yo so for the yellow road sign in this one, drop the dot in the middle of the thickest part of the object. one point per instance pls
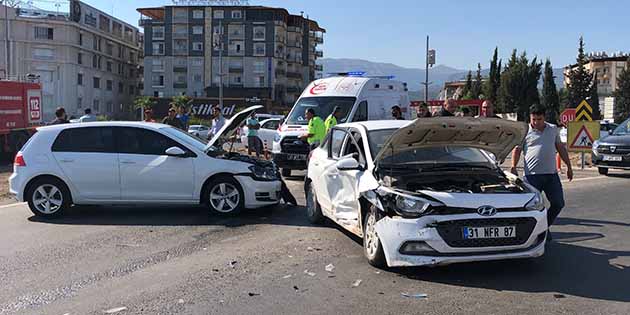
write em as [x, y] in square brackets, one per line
[584, 112]
[581, 135]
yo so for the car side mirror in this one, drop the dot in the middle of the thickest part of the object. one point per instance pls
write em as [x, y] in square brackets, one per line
[175, 151]
[348, 164]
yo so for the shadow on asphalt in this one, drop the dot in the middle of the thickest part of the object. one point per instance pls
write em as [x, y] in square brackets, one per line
[619, 175]
[587, 222]
[177, 216]
[566, 268]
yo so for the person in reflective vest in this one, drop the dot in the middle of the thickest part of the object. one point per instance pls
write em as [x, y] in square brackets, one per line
[331, 121]
[316, 129]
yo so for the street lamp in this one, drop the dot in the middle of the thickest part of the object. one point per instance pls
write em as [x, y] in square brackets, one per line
[218, 42]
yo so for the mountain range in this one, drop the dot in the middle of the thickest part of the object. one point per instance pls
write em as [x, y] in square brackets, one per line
[413, 76]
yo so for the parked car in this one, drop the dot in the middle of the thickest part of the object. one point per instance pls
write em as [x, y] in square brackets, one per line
[427, 192]
[105, 163]
[612, 150]
[199, 131]
[267, 132]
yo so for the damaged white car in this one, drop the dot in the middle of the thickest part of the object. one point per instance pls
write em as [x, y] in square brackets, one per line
[427, 192]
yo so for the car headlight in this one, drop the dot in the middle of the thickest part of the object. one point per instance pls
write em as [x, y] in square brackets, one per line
[263, 173]
[411, 206]
[536, 204]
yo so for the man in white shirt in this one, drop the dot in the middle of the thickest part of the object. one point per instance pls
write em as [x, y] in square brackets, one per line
[88, 117]
[217, 121]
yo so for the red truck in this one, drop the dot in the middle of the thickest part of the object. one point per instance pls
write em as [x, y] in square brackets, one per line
[20, 113]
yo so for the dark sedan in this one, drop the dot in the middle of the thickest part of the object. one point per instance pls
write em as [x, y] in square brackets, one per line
[613, 150]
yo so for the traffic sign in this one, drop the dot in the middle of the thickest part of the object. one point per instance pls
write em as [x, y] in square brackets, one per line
[567, 115]
[581, 135]
[584, 112]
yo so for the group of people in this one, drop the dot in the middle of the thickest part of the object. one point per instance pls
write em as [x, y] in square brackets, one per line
[61, 117]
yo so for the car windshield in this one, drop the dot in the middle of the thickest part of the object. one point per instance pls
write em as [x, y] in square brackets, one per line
[623, 129]
[323, 107]
[186, 138]
[425, 156]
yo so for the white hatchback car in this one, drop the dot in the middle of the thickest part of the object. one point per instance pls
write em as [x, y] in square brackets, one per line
[139, 163]
[427, 192]
[199, 131]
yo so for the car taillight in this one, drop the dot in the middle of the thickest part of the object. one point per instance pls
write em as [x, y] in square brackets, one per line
[19, 160]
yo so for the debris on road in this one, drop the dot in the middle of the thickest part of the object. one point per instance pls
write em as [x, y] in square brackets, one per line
[180, 301]
[233, 263]
[357, 283]
[115, 310]
[295, 287]
[559, 296]
[330, 268]
[310, 273]
[377, 272]
[416, 295]
[253, 294]
[310, 249]
[287, 277]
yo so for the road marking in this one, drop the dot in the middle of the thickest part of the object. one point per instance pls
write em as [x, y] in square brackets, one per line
[12, 205]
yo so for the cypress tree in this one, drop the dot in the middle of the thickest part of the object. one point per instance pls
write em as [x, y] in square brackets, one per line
[550, 98]
[467, 92]
[580, 79]
[476, 85]
[491, 86]
[622, 95]
[594, 99]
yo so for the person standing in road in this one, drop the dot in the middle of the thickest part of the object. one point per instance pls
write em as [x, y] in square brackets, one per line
[148, 116]
[218, 121]
[448, 109]
[88, 117]
[487, 110]
[423, 111]
[539, 148]
[331, 120]
[253, 142]
[316, 129]
[172, 119]
[397, 113]
[61, 117]
[183, 115]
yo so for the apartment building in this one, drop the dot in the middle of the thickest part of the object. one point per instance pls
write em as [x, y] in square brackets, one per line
[260, 54]
[84, 57]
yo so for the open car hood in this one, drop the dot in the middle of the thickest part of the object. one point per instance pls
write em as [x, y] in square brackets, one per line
[494, 135]
[231, 125]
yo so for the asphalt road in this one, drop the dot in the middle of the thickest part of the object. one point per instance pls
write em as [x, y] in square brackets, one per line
[182, 261]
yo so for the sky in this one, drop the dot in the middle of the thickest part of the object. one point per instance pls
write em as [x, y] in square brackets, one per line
[462, 32]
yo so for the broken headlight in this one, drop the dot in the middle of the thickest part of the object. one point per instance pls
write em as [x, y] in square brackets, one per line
[263, 173]
[412, 206]
[536, 204]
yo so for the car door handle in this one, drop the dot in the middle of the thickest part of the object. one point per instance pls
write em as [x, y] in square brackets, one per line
[127, 162]
[66, 161]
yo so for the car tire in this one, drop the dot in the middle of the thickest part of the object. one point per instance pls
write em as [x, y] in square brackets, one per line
[224, 196]
[372, 247]
[286, 172]
[313, 209]
[48, 197]
[602, 170]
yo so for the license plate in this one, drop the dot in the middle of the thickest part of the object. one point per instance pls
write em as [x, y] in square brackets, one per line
[489, 232]
[296, 157]
[612, 158]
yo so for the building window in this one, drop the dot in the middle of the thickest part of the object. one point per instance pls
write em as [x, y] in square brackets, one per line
[109, 66]
[197, 46]
[218, 14]
[96, 105]
[197, 30]
[237, 14]
[131, 90]
[197, 62]
[109, 49]
[120, 69]
[79, 102]
[180, 31]
[121, 88]
[197, 78]
[158, 32]
[80, 58]
[180, 47]
[157, 80]
[80, 79]
[158, 65]
[43, 53]
[158, 48]
[236, 80]
[259, 32]
[95, 61]
[43, 32]
[180, 13]
[80, 39]
[100, 62]
[197, 14]
[110, 85]
[97, 83]
[259, 49]
[259, 81]
[259, 67]
[180, 78]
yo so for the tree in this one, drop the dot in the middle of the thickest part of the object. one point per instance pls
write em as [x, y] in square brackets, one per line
[563, 95]
[491, 86]
[550, 98]
[508, 86]
[622, 95]
[593, 100]
[467, 91]
[476, 90]
[519, 85]
[143, 102]
[181, 100]
[580, 79]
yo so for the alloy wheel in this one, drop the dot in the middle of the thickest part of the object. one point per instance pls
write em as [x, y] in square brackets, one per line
[224, 197]
[47, 199]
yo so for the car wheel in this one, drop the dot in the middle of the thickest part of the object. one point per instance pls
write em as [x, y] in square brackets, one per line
[286, 172]
[602, 170]
[372, 247]
[48, 197]
[225, 196]
[313, 209]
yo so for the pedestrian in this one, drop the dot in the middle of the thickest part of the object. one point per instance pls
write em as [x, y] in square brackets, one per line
[148, 116]
[184, 116]
[423, 111]
[397, 113]
[88, 117]
[448, 109]
[60, 117]
[487, 110]
[539, 148]
[218, 121]
[316, 129]
[331, 120]
[253, 142]
[172, 119]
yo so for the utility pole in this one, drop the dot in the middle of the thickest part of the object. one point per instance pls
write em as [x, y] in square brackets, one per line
[426, 72]
[221, 65]
[6, 38]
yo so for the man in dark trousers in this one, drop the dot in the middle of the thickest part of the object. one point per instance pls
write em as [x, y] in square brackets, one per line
[448, 109]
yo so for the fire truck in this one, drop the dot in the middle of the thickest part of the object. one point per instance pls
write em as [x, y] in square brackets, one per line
[20, 114]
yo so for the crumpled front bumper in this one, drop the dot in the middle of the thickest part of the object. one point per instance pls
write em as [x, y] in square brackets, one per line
[393, 232]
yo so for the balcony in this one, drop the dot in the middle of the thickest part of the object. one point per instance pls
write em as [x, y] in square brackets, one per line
[180, 85]
[319, 40]
[294, 75]
[280, 72]
[235, 69]
[318, 68]
[180, 69]
[319, 54]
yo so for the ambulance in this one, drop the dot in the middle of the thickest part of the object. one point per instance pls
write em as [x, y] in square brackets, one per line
[360, 98]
